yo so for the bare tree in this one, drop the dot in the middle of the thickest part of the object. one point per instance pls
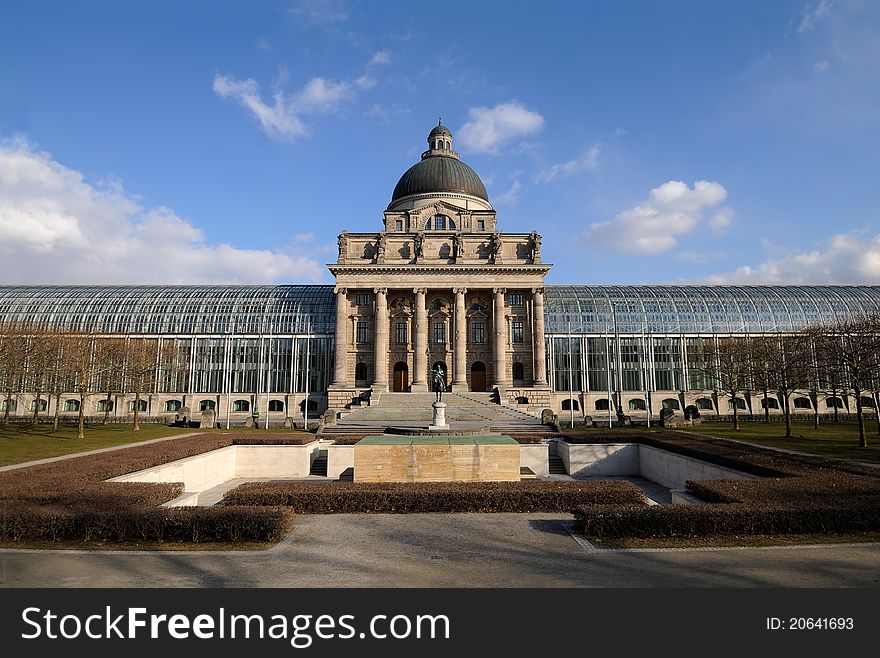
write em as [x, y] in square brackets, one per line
[13, 356]
[786, 361]
[141, 370]
[854, 343]
[726, 364]
[111, 356]
[84, 368]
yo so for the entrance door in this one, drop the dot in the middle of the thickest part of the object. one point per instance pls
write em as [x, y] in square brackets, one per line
[478, 376]
[401, 377]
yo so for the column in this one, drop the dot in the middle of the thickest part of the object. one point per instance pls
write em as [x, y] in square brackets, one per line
[500, 346]
[540, 366]
[460, 345]
[341, 337]
[380, 358]
[420, 343]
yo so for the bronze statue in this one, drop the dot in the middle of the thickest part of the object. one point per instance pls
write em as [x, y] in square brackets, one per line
[439, 381]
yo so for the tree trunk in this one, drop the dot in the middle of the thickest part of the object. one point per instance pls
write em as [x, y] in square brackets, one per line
[37, 406]
[815, 398]
[57, 405]
[735, 415]
[836, 406]
[877, 410]
[106, 409]
[6, 410]
[786, 410]
[137, 404]
[863, 440]
[82, 427]
[766, 408]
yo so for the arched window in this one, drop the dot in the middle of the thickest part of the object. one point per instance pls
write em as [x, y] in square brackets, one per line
[572, 405]
[740, 404]
[671, 403]
[602, 405]
[440, 223]
[802, 403]
[867, 402]
[105, 405]
[518, 372]
[360, 372]
[276, 405]
[142, 405]
[705, 404]
[241, 405]
[173, 405]
[522, 400]
[769, 403]
[71, 405]
[43, 405]
[637, 405]
[313, 406]
[831, 403]
[207, 405]
[8, 404]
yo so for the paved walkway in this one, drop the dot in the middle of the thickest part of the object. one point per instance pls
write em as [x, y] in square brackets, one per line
[446, 550]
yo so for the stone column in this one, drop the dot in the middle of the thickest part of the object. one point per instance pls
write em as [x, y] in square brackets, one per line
[420, 343]
[500, 345]
[339, 376]
[460, 345]
[380, 358]
[540, 366]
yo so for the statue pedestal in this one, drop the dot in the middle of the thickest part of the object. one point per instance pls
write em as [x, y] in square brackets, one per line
[439, 422]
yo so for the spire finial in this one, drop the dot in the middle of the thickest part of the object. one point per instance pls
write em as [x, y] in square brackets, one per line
[439, 121]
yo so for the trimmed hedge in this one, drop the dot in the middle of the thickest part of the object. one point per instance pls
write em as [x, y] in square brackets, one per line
[410, 497]
[720, 520]
[69, 500]
[276, 440]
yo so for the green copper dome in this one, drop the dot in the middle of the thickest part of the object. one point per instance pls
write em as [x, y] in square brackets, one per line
[439, 173]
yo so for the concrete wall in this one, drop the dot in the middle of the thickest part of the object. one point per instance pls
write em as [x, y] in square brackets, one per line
[211, 469]
[339, 458]
[536, 458]
[631, 459]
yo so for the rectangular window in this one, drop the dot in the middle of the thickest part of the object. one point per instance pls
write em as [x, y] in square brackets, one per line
[481, 225]
[363, 331]
[398, 225]
[363, 298]
[400, 332]
[517, 327]
[479, 335]
[516, 299]
[439, 332]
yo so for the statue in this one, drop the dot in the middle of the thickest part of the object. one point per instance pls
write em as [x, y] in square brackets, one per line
[419, 244]
[457, 247]
[380, 247]
[439, 381]
[535, 246]
[342, 242]
[496, 245]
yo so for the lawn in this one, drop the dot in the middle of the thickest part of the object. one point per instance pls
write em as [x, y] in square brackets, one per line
[839, 440]
[21, 442]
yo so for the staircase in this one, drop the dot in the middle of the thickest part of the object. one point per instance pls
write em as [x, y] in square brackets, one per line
[319, 466]
[557, 466]
[464, 411]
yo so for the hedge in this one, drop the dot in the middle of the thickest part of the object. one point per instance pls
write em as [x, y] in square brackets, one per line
[69, 500]
[411, 497]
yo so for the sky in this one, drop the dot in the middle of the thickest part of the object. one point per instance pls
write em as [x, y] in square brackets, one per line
[648, 142]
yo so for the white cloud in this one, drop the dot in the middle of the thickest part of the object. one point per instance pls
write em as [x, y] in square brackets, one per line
[490, 128]
[279, 120]
[282, 119]
[821, 67]
[813, 15]
[671, 210]
[381, 57]
[721, 220]
[588, 160]
[846, 258]
[509, 197]
[320, 12]
[59, 228]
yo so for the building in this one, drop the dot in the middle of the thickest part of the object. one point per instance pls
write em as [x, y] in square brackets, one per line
[437, 284]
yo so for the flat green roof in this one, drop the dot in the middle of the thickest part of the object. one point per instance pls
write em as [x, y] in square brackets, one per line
[403, 440]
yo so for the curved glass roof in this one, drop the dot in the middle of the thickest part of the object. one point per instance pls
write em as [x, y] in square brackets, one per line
[187, 310]
[173, 309]
[701, 309]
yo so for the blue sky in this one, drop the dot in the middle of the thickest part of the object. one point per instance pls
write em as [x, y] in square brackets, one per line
[648, 142]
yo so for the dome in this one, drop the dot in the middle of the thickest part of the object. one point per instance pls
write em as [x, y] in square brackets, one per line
[439, 129]
[437, 174]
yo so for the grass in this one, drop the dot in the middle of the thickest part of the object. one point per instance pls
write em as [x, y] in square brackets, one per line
[22, 442]
[837, 440]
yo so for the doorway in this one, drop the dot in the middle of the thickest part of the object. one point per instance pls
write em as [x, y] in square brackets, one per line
[401, 377]
[478, 376]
